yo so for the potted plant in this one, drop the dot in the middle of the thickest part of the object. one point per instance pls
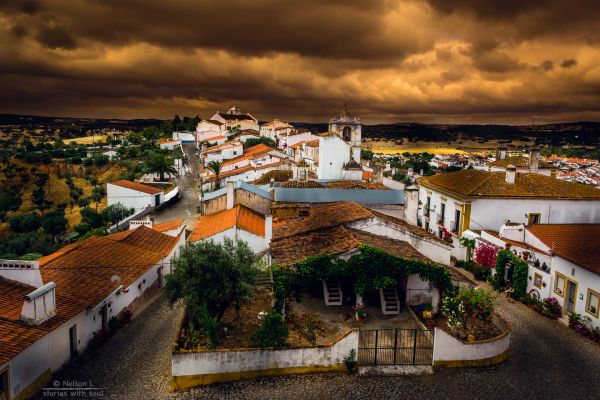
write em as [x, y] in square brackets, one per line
[361, 314]
[351, 362]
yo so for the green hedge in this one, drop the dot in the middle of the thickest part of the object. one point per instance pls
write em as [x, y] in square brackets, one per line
[520, 273]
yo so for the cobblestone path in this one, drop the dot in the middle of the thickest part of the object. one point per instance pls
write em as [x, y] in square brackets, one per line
[546, 361]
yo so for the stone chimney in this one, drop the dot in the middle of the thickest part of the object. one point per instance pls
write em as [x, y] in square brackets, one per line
[39, 305]
[534, 160]
[511, 173]
[230, 194]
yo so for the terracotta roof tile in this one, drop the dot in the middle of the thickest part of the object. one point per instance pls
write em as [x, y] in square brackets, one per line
[578, 243]
[137, 186]
[336, 240]
[302, 184]
[479, 184]
[240, 216]
[321, 216]
[169, 225]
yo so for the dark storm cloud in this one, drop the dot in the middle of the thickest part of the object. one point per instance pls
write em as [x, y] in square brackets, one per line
[300, 60]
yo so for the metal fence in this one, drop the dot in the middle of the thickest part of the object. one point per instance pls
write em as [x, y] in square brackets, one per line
[395, 347]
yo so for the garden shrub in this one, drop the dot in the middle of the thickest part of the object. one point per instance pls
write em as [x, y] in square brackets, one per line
[551, 308]
[273, 331]
[486, 254]
[519, 277]
[350, 361]
[310, 325]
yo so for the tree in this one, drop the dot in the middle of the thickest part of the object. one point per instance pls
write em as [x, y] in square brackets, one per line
[215, 167]
[25, 223]
[366, 154]
[9, 202]
[158, 163]
[116, 212]
[261, 140]
[97, 195]
[213, 275]
[54, 222]
[273, 331]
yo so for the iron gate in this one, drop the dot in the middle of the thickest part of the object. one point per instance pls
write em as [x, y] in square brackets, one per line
[395, 347]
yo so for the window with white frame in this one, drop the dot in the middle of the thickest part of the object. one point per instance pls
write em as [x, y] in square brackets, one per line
[592, 304]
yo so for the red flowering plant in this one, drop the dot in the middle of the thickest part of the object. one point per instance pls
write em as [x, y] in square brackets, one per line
[485, 254]
[446, 235]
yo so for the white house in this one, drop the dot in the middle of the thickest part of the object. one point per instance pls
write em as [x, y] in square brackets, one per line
[235, 222]
[340, 228]
[184, 136]
[339, 145]
[564, 262]
[233, 119]
[134, 195]
[52, 308]
[170, 144]
[222, 152]
[531, 164]
[479, 200]
[275, 128]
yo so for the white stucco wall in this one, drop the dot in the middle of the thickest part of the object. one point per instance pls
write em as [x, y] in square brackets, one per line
[218, 362]
[131, 198]
[448, 348]
[585, 280]
[333, 154]
[491, 213]
[419, 291]
[429, 247]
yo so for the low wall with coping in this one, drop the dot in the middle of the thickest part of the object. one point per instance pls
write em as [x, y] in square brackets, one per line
[191, 369]
[451, 352]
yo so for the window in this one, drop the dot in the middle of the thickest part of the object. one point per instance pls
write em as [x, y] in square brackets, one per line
[427, 206]
[592, 304]
[346, 133]
[534, 218]
[537, 280]
[559, 284]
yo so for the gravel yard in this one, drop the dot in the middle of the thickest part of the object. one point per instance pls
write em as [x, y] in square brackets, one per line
[547, 360]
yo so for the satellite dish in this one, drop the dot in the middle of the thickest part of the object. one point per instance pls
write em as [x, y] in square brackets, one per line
[115, 279]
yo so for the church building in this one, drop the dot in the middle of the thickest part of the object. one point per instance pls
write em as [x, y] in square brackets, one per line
[339, 148]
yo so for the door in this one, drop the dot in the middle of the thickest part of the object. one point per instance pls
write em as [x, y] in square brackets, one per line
[4, 390]
[571, 296]
[73, 341]
[160, 277]
[157, 200]
[104, 314]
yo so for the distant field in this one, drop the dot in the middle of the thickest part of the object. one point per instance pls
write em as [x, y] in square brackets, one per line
[88, 139]
[467, 146]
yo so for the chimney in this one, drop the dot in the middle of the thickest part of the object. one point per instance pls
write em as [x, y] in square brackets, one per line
[230, 194]
[39, 305]
[501, 152]
[27, 272]
[511, 173]
[534, 160]
[268, 228]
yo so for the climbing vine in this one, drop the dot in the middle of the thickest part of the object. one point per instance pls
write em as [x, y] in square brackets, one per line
[370, 268]
[519, 276]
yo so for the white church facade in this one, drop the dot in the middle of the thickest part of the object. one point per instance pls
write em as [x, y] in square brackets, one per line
[339, 148]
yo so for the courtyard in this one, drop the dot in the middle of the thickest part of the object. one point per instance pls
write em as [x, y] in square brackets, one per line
[546, 360]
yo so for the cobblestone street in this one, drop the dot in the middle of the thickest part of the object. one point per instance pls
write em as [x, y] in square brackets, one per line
[547, 360]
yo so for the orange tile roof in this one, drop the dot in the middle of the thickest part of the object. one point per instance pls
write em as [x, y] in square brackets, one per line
[16, 336]
[514, 242]
[321, 216]
[313, 143]
[87, 267]
[336, 240]
[137, 186]
[472, 183]
[578, 243]
[519, 162]
[169, 225]
[239, 216]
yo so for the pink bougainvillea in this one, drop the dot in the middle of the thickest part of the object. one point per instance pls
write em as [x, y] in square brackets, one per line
[485, 254]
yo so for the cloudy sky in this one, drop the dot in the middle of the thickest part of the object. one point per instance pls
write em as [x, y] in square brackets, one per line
[413, 60]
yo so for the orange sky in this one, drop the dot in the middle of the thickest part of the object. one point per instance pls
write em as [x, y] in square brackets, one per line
[427, 61]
